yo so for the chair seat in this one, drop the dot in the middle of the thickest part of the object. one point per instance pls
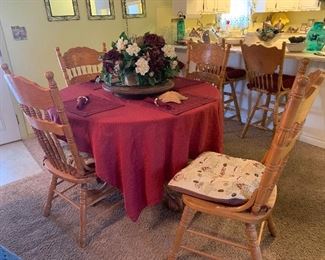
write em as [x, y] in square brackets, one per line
[219, 178]
[287, 81]
[89, 161]
[234, 73]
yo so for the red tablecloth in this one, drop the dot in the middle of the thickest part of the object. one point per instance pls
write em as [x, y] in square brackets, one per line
[139, 148]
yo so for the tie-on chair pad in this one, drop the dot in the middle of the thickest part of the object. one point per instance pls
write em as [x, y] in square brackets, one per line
[219, 178]
[88, 159]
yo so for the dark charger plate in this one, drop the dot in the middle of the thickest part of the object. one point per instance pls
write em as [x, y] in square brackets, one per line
[139, 92]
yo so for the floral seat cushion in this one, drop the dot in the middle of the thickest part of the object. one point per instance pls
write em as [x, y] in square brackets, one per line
[219, 178]
[89, 161]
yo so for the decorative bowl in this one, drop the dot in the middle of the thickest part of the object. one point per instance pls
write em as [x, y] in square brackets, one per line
[138, 92]
[296, 47]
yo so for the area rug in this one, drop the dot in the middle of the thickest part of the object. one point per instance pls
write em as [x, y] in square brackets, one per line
[299, 216]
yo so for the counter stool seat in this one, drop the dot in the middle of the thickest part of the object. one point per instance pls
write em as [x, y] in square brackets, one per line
[235, 74]
[287, 82]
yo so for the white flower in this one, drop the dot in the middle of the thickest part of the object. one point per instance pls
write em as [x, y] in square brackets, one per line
[173, 64]
[142, 66]
[120, 44]
[169, 51]
[133, 49]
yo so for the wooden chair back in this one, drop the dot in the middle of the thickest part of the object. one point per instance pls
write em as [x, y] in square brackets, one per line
[261, 65]
[302, 96]
[36, 102]
[80, 64]
[209, 62]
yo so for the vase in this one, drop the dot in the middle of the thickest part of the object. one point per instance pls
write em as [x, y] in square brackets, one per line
[316, 37]
[130, 79]
[139, 92]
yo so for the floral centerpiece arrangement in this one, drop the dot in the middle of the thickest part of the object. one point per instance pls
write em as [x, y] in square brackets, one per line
[142, 61]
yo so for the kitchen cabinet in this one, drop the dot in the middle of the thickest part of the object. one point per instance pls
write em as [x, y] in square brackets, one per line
[191, 8]
[223, 6]
[261, 6]
[309, 5]
[216, 6]
[287, 5]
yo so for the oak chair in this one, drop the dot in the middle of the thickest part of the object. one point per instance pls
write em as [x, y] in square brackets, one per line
[264, 69]
[80, 64]
[207, 62]
[241, 189]
[66, 164]
[233, 76]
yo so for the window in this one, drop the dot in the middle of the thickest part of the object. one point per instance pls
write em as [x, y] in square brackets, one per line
[240, 12]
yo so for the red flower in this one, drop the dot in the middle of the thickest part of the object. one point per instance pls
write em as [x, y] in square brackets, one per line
[153, 40]
[110, 58]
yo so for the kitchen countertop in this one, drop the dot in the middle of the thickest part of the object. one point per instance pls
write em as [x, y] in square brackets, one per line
[294, 55]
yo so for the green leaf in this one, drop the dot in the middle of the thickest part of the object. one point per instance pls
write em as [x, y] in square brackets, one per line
[151, 81]
[123, 36]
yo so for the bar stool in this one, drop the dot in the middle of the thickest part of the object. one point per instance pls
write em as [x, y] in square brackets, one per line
[264, 69]
[233, 76]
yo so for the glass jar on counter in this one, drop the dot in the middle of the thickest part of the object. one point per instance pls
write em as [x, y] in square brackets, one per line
[316, 37]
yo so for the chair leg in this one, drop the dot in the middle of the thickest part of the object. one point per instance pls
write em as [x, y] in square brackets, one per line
[253, 244]
[48, 204]
[234, 97]
[251, 115]
[275, 113]
[267, 104]
[271, 226]
[222, 90]
[83, 216]
[187, 216]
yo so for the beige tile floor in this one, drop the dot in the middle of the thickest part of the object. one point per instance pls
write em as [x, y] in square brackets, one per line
[16, 163]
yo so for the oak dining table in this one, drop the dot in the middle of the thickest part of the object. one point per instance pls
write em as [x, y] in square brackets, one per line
[139, 146]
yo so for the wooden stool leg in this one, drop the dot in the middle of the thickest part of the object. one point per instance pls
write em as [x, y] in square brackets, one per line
[187, 216]
[271, 226]
[267, 104]
[83, 216]
[276, 113]
[234, 97]
[253, 244]
[251, 115]
[222, 90]
[48, 204]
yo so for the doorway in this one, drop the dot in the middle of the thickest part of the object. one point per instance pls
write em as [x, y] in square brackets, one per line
[9, 128]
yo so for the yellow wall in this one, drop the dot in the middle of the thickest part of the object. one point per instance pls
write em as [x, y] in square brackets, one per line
[36, 55]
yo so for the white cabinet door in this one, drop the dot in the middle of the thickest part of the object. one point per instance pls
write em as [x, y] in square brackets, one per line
[309, 5]
[223, 6]
[194, 7]
[209, 6]
[287, 5]
[187, 7]
[261, 6]
[271, 6]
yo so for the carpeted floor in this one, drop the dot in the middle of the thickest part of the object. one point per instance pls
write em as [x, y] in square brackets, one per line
[299, 215]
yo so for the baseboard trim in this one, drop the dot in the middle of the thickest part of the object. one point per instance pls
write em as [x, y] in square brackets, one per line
[312, 140]
[303, 137]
